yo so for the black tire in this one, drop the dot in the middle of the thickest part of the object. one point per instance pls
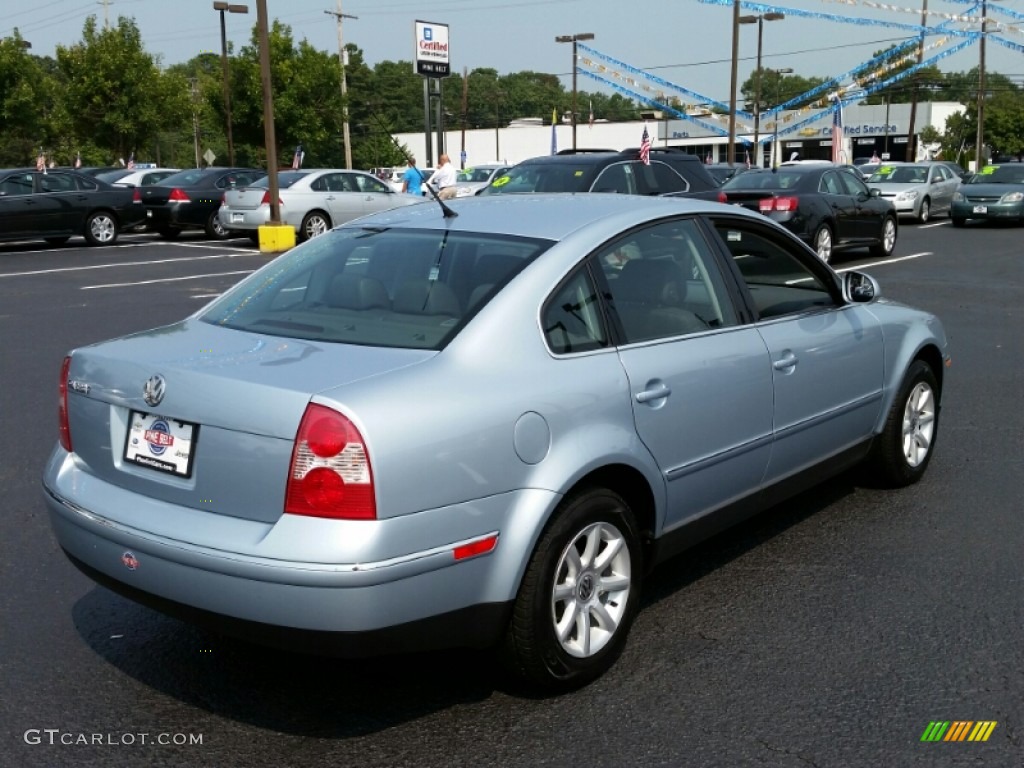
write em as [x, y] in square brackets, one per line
[822, 243]
[887, 244]
[101, 228]
[214, 229]
[532, 649]
[169, 233]
[57, 240]
[926, 211]
[902, 451]
[958, 221]
[314, 224]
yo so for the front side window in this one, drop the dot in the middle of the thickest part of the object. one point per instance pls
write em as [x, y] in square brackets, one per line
[390, 288]
[663, 282]
[778, 276]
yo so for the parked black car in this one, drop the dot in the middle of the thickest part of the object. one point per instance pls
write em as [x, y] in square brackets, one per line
[827, 206]
[55, 205]
[670, 171]
[190, 200]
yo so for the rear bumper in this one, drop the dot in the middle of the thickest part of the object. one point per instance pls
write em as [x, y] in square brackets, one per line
[244, 220]
[358, 602]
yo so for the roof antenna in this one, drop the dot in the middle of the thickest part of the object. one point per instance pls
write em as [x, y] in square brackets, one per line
[446, 211]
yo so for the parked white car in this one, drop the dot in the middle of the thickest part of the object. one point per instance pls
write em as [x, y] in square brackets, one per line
[313, 201]
[472, 180]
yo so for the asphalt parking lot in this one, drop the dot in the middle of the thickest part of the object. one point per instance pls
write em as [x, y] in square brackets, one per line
[830, 631]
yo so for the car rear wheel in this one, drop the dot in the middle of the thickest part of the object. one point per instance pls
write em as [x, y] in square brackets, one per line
[823, 243]
[214, 229]
[579, 594]
[926, 211]
[101, 229]
[887, 244]
[902, 451]
[314, 224]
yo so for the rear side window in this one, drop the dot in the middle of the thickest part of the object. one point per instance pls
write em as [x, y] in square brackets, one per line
[618, 178]
[392, 288]
[17, 185]
[572, 319]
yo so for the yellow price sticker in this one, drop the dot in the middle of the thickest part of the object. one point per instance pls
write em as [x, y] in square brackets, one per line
[578, 173]
[501, 182]
[988, 170]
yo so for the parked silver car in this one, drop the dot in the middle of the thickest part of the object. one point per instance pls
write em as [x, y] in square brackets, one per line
[312, 201]
[471, 180]
[484, 429]
[917, 190]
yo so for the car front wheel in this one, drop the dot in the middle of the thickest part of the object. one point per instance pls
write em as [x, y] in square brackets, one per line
[101, 229]
[887, 244]
[823, 243]
[902, 451]
[926, 211]
[578, 596]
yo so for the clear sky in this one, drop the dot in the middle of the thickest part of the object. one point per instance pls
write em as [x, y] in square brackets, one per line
[683, 41]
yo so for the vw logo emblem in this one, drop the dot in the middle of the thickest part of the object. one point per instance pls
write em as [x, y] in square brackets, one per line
[586, 587]
[153, 391]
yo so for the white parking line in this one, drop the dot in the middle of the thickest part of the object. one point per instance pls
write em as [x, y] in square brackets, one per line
[167, 279]
[887, 261]
[119, 264]
[933, 224]
[219, 247]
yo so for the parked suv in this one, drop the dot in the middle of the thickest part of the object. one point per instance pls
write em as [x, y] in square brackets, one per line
[670, 171]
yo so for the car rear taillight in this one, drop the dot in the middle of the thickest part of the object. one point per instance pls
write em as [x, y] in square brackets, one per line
[785, 204]
[178, 196]
[136, 195]
[65, 426]
[722, 197]
[330, 473]
[266, 199]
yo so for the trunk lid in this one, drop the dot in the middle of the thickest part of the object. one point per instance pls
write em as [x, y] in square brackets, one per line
[240, 397]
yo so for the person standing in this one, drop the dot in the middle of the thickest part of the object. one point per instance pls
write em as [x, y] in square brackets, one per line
[444, 178]
[412, 179]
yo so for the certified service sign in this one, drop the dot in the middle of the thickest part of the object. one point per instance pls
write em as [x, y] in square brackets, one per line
[431, 58]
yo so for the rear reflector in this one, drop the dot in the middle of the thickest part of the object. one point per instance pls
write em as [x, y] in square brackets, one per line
[474, 548]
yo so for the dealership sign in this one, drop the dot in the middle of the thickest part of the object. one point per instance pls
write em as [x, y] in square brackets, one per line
[431, 57]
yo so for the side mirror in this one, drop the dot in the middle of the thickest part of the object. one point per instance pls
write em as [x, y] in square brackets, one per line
[860, 288]
[874, 192]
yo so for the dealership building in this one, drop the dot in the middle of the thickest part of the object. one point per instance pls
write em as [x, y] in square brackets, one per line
[882, 129]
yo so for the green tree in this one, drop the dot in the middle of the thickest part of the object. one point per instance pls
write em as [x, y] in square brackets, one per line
[26, 103]
[115, 94]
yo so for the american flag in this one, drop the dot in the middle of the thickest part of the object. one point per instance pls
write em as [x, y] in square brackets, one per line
[875, 158]
[131, 161]
[554, 134]
[645, 147]
[297, 158]
[590, 122]
[746, 157]
[837, 133]
[78, 160]
[41, 161]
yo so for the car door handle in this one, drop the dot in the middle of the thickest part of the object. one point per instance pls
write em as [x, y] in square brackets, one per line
[329, 197]
[786, 363]
[656, 393]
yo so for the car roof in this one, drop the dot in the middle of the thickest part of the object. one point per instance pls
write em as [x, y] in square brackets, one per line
[551, 216]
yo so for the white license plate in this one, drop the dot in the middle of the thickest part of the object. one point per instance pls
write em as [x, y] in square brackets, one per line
[237, 217]
[981, 209]
[166, 445]
[149, 214]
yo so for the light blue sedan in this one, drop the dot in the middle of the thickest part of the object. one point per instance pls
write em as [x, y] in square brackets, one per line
[481, 424]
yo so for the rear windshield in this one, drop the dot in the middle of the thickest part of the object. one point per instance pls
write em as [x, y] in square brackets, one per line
[771, 180]
[390, 288]
[543, 177]
[284, 179]
[111, 176]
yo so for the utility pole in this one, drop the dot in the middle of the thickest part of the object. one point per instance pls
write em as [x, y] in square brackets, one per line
[911, 152]
[979, 149]
[195, 116]
[465, 102]
[342, 56]
[106, 12]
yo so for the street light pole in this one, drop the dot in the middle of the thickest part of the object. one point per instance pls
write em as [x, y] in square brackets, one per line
[778, 99]
[574, 39]
[760, 19]
[229, 8]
